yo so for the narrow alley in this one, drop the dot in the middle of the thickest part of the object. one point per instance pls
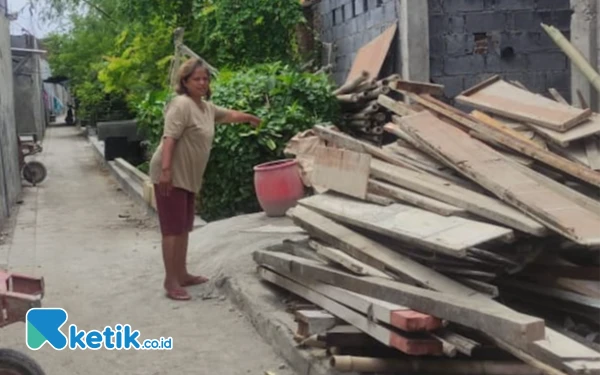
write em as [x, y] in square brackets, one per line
[101, 261]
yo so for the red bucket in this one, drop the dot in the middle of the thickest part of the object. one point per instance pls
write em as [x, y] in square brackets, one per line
[278, 186]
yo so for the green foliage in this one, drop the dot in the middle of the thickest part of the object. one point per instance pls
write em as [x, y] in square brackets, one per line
[140, 60]
[235, 33]
[287, 101]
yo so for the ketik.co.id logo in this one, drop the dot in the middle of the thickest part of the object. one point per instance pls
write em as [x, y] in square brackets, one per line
[43, 325]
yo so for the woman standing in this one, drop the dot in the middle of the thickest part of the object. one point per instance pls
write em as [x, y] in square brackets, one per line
[177, 168]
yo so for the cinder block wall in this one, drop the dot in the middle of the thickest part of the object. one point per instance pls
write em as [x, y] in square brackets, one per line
[474, 39]
[350, 24]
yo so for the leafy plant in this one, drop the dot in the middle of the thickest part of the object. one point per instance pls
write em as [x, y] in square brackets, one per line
[235, 33]
[287, 101]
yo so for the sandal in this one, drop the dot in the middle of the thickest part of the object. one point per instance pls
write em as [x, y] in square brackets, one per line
[195, 280]
[178, 295]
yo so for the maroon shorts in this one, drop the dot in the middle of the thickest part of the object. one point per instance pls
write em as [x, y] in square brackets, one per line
[176, 211]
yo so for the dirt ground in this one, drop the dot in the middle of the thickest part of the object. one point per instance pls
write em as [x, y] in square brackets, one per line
[100, 258]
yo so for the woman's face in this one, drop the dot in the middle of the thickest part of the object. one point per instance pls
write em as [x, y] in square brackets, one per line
[198, 83]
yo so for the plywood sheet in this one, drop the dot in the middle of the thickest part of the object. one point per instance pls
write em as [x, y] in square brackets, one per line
[371, 56]
[502, 98]
[341, 170]
[449, 235]
[484, 165]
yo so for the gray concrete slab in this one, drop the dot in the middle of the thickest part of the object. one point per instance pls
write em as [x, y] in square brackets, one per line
[100, 256]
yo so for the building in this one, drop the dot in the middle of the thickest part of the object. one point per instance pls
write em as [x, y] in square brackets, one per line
[459, 43]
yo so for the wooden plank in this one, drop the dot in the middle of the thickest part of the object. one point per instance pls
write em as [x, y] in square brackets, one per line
[343, 140]
[378, 311]
[592, 151]
[479, 204]
[415, 154]
[379, 199]
[557, 294]
[418, 87]
[448, 235]
[341, 170]
[385, 336]
[488, 120]
[587, 128]
[415, 199]
[498, 322]
[557, 96]
[502, 98]
[546, 157]
[399, 108]
[506, 180]
[377, 255]
[346, 261]
[371, 56]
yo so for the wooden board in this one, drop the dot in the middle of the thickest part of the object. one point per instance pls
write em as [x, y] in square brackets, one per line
[483, 164]
[377, 255]
[413, 153]
[500, 97]
[341, 170]
[376, 310]
[415, 199]
[479, 204]
[499, 322]
[546, 157]
[343, 140]
[346, 261]
[385, 336]
[370, 57]
[592, 151]
[418, 87]
[587, 128]
[448, 235]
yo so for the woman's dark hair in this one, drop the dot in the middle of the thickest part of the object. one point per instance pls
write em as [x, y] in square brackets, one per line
[186, 70]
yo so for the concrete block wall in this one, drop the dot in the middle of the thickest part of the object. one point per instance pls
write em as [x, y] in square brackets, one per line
[10, 181]
[350, 24]
[471, 40]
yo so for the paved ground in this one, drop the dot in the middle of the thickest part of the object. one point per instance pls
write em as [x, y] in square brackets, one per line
[101, 261]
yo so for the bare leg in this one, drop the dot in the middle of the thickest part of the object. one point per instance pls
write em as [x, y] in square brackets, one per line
[185, 278]
[170, 250]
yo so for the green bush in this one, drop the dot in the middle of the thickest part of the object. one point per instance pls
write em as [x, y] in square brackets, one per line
[287, 100]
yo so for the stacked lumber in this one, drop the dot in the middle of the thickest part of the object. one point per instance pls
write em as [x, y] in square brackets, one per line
[467, 245]
[362, 115]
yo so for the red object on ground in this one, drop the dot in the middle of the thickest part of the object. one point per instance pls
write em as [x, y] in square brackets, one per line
[278, 186]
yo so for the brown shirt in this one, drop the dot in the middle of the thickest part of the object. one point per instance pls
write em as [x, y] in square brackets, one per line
[193, 129]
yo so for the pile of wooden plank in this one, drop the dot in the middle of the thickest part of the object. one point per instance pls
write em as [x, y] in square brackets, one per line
[468, 244]
[362, 115]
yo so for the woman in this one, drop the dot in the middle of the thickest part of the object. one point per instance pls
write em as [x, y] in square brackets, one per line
[177, 168]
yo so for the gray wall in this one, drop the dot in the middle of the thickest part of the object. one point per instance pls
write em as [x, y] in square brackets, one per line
[349, 25]
[501, 26]
[30, 110]
[10, 181]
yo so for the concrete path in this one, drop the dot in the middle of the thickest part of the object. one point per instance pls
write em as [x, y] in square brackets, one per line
[101, 261]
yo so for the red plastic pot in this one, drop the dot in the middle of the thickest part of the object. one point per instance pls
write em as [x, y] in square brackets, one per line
[278, 186]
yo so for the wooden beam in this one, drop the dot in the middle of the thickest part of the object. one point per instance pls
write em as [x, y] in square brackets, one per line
[502, 323]
[351, 264]
[394, 339]
[377, 255]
